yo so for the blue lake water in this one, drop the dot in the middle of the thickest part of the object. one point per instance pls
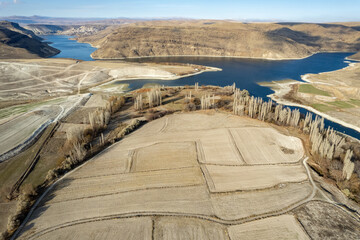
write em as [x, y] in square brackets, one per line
[246, 73]
[70, 48]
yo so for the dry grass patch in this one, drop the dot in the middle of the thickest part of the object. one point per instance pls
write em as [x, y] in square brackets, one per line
[6, 210]
[233, 178]
[273, 228]
[267, 146]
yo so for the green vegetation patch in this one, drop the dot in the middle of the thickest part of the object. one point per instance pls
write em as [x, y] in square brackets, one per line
[24, 108]
[341, 104]
[355, 102]
[308, 88]
[322, 107]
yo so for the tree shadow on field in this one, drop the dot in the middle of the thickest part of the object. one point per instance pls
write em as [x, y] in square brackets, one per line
[44, 204]
[171, 100]
[52, 193]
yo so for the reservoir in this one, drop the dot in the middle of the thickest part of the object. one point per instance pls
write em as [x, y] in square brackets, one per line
[69, 48]
[246, 73]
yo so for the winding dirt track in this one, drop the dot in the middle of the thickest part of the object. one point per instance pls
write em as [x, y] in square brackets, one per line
[160, 171]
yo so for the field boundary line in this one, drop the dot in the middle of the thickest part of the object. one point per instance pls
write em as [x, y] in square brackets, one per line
[235, 147]
[128, 191]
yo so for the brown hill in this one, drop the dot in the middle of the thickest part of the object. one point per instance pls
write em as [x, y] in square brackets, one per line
[16, 28]
[16, 42]
[222, 38]
[356, 56]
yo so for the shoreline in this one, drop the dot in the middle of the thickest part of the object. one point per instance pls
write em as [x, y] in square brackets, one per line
[216, 56]
[207, 56]
[305, 77]
[159, 77]
[278, 99]
[166, 78]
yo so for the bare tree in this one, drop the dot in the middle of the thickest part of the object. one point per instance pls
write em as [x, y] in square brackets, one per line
[154, 97]
[196, 86]
[348, 165]
[138, 103]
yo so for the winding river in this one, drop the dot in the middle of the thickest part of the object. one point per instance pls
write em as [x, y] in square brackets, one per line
[246, 73]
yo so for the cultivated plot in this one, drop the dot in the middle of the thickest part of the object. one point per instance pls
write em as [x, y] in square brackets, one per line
[164, 156]
[234, 178]
[132, 228]
[282, 227]
[267, 146]
[176, 228]
[191, 180]
[240, 205]
[218, 147]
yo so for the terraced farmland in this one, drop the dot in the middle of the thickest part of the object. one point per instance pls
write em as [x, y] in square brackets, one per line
[184, 176]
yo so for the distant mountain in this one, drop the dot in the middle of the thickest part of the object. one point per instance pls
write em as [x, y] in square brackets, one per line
[17, 42]
[67, 21]
[222, 38]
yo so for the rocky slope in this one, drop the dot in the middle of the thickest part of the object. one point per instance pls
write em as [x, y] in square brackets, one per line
[17, 42]
[222, 38]
[84, 30]
[16, 28]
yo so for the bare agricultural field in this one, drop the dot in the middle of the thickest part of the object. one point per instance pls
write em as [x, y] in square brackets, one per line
[110, 184]
[282, 227]
[267, 146]
[233, 178]
[131, 228]
[107, 163]
[186, 200]
[164, 156]
[170, 228]
[237, 205]
[218, 147]
[175, 179]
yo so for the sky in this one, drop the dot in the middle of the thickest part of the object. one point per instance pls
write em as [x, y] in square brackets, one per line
[245, 10]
